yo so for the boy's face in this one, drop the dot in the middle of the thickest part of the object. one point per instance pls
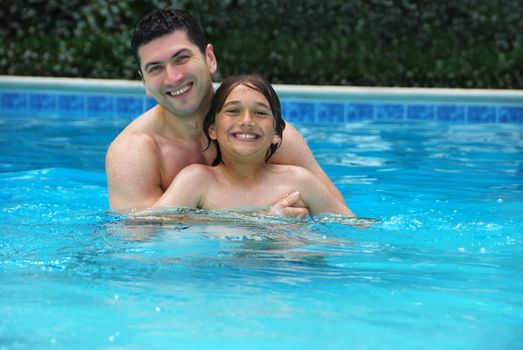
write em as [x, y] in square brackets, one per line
[245, 124]
[177, 75]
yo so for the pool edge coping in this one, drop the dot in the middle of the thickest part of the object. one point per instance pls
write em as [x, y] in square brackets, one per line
[329, 92]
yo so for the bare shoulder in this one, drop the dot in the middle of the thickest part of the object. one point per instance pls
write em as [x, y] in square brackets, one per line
[294, 172]
[313, 192]
[196, 171]
[136, 141]
[188, 188]
[132, 165]
[300, 179]
[193, 180]
[132, 147]
[303, 174]
[130, 138]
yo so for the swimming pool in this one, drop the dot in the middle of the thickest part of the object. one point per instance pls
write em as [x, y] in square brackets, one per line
[441, 268]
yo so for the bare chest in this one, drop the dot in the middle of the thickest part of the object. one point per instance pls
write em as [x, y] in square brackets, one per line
[258, 197]
[176, 156]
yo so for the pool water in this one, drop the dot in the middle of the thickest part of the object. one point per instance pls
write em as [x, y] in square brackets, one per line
[441, 268]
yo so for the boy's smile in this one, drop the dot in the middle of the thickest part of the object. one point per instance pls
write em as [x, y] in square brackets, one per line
[245, 136]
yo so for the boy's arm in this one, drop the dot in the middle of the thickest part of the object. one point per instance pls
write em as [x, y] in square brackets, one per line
[290, 205]
[295, 151]
[187, 188]
[316, 195]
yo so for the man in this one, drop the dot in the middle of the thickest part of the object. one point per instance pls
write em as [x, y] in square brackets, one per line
[176, 64]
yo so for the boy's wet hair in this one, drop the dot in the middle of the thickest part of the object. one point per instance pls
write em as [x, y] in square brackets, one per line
[162, 22]
[252, 81]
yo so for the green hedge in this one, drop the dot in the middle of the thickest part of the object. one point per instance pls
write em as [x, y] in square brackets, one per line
[463, 43]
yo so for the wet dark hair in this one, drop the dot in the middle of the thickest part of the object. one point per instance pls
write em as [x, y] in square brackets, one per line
[162, 22]
[252, 81]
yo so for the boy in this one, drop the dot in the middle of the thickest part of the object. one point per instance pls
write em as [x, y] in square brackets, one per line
[246, 128]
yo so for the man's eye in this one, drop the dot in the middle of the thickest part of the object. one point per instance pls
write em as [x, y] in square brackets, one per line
[153, 69]
[181, 59]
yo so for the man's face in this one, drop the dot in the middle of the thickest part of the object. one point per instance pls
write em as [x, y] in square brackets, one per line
[177, 75]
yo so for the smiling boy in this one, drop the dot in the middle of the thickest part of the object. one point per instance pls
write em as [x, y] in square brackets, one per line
[246, 127]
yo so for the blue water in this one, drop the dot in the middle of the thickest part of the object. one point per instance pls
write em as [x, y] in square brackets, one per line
[440, 269]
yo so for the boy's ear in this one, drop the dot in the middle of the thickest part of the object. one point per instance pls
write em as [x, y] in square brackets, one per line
[276, 139]
[212, 132]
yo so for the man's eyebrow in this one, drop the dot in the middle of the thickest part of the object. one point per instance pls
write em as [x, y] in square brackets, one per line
[174, 55]
[182, 51]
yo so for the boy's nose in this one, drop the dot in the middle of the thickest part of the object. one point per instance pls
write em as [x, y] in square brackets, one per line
[246, 119]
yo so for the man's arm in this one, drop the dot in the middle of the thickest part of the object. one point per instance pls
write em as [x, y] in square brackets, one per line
[133, 173]
[295, 151]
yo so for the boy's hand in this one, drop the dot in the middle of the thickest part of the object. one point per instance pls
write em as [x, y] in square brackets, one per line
[290, 205]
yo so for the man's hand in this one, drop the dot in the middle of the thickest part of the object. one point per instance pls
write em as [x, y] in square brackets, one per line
[290, 205]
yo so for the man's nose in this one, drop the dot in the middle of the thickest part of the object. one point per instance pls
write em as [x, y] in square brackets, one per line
[173, 74]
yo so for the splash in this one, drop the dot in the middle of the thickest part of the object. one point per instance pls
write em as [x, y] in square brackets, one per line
[191, 215]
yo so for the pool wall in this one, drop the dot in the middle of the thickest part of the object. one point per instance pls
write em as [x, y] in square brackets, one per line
[42, 96]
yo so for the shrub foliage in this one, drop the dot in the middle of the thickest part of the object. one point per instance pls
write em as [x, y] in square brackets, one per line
[419, 43]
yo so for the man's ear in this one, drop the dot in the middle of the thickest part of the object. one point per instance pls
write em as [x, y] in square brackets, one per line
[147, 92]
[212, 132]
[210, 58]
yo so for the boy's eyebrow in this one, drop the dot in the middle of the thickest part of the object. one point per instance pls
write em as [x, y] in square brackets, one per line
[174, 55]
[261, 104]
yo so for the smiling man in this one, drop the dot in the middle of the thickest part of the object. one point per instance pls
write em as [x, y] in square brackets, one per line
[176, 64]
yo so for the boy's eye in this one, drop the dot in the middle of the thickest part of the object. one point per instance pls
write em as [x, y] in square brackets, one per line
[232, 110]
[262, 113]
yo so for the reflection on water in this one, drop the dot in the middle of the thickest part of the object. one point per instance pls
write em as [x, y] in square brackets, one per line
[190, 215]
[238, 235]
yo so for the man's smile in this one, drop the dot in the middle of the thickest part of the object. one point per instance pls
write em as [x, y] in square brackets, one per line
[180, 91]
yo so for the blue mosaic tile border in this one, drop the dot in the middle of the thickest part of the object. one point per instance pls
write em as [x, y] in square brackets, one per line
[294, 110]
[72, 104]
[343, 112]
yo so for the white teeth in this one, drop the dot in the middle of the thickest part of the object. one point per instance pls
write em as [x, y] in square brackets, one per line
[179, 91]
[245, 136]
